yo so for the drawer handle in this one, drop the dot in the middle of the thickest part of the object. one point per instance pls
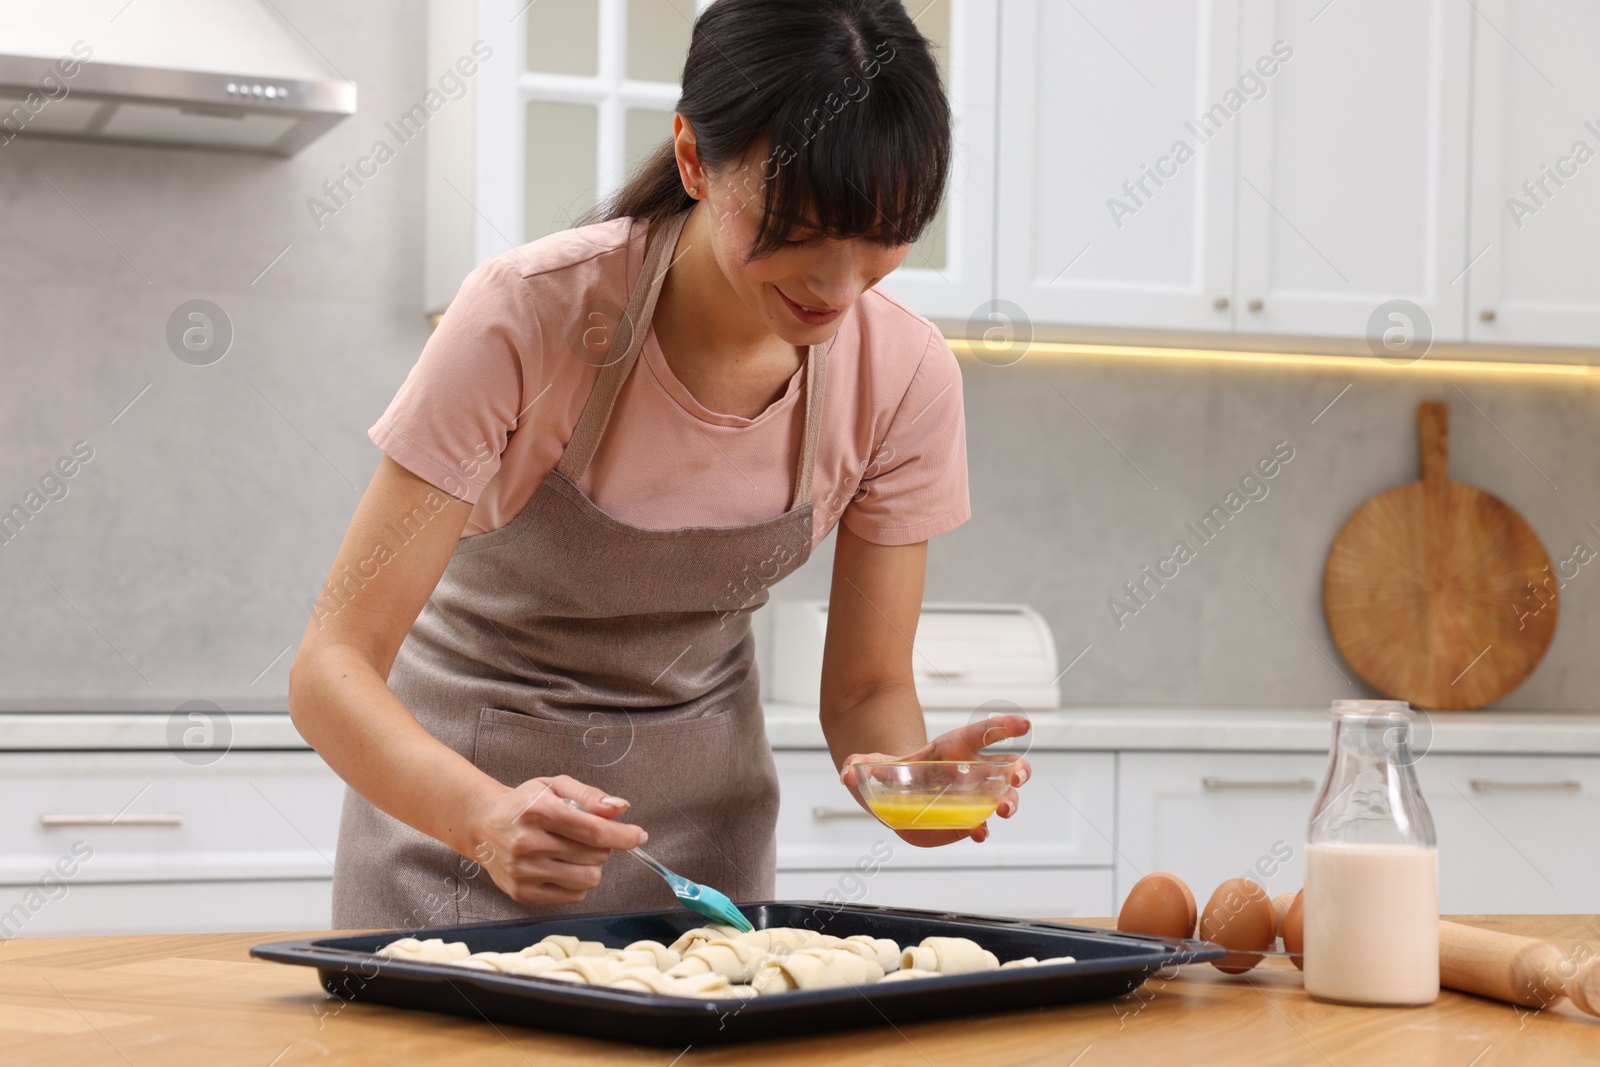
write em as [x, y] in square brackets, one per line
[159, 818]
[830, 814]
[1245, 783]
[1484, 785]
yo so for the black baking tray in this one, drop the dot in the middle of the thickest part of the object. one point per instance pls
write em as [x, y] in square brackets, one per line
[1108, 964]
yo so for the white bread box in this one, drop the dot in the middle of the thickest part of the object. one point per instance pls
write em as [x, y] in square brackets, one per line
[963, 656]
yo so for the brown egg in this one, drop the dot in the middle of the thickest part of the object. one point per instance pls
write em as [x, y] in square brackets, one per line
[1159, 904]
[1294, 930]
[1280, 908]
[1238, 916]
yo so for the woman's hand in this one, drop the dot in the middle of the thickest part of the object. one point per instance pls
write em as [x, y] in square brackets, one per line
[539, 850]
[962, 744]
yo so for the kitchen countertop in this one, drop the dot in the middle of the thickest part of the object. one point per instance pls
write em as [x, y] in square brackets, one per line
[200, 1000]
[793, 726]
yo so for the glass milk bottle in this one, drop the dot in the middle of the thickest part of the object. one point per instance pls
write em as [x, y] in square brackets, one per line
[1372, 873]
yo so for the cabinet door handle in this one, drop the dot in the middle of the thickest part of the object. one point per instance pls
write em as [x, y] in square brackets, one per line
[1487, 315]
[1256, 304]
[1247, 783]
[158, 818]
[1485, 785]
[1220, 303]
[830, 814]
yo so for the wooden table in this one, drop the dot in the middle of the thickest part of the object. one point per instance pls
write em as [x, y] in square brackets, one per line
[199, 999]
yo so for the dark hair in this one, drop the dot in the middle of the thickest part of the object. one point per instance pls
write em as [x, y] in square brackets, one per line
[845, 96]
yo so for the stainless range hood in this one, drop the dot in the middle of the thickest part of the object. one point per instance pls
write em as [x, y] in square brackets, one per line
[224, 74]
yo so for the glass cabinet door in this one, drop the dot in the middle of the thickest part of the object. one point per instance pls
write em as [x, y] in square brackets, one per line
[948, 275]
[578, 93]
[563, 37]
[565, 169]
[658, 39]
[931, 250]
[598, 86]
[559, 176]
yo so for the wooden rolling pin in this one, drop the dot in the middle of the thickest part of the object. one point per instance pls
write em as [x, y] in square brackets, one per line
[1519, 970]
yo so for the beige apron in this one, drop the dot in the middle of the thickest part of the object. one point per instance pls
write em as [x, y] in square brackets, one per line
[570, 642]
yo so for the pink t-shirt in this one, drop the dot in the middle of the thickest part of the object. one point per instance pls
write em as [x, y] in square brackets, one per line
[489, 407]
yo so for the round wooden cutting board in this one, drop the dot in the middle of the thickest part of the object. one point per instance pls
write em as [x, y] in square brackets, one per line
[1437, 592]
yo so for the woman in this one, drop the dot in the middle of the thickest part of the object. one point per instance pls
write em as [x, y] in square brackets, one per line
[619, 437]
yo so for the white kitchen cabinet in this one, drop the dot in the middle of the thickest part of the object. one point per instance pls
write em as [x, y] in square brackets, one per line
[1261, 168]
[948, 272]
[1101, 220]
[1052, 858]
[99, 842]
[1536, 174]
[1064, 819]
[1233, 166]
[1517, 834]
[1037, 893]
[577, 92]
[150, 816]
[573, 94]
[1352, 169]
[1210, 816]
[247, 842]
[92, 909]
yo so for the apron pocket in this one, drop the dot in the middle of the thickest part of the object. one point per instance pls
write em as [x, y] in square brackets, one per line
[605, 749]
[704, 788]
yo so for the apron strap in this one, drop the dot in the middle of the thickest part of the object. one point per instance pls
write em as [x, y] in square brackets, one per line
[626, 344]
[816, 377]
[624, 350]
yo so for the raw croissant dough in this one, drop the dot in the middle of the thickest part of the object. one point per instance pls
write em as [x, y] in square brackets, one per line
[884, 951]
[510, 962]
[595, 970]
[815, 968]
[720, 962]
[779, 940]
[433, 950]
[562, 947]
[948, 955]
[907, 974]
[733, 958]
[662, 957]
[693, 937]
[647, 980]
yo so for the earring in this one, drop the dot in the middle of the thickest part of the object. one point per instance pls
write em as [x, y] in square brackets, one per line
[693, 191]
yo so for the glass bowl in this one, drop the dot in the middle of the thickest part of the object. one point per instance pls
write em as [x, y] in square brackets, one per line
[934, 794]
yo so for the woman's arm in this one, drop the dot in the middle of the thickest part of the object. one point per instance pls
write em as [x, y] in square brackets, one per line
[535, 848]
[869, 696]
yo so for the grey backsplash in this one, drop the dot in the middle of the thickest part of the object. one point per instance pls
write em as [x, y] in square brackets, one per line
[179, 564]
[184, 553]
[1083, 473]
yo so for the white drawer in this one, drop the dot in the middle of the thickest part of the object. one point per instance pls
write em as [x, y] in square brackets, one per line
[1064, 819]
[171, 908]
[1030, 893]
[1517, 834]
[249, 815]
[1210, 816]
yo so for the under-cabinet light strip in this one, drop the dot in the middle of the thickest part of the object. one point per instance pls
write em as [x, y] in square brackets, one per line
[1061, 350]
